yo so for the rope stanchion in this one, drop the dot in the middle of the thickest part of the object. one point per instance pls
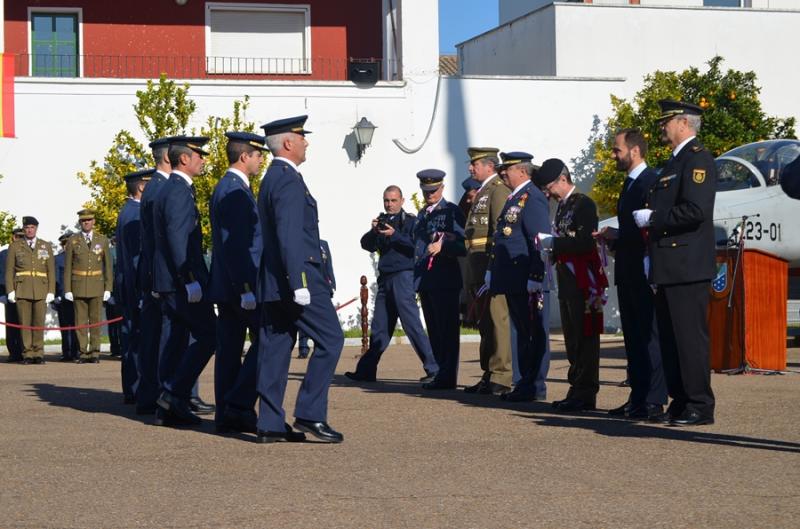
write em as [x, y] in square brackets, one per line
[68, 328]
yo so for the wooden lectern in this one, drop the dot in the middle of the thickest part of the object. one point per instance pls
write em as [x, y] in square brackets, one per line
[751, 332]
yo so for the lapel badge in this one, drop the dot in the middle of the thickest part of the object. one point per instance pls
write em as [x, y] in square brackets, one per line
[507, 231]
[699, 176]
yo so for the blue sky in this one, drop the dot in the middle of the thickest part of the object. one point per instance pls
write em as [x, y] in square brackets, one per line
[460, 20]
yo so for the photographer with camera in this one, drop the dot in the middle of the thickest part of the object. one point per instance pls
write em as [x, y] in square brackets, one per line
[391, 237]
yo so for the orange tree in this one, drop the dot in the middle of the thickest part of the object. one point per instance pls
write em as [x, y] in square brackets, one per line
[733, 116]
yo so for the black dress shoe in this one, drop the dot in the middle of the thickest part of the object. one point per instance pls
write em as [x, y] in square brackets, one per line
[475, 388]
[429, 377]
[66, 359]
[15, 359]
[518, 396]
[645, 412]
[236, 420]
[620, 411]
[691, 418]
[574, 404]
[199, 407]
[358, 377]
[27, 361]
[173, 410]
[286, 436]
[320, 430]
[38, 360]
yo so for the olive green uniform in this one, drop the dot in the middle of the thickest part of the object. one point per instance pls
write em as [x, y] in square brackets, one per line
[31, 274]
[87, 274]
[494, 325]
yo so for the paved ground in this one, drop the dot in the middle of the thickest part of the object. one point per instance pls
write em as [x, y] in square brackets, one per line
[72, 456]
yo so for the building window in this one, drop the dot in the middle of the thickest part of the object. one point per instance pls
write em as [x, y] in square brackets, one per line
[54, 44]
[722, 3]
[258, 38]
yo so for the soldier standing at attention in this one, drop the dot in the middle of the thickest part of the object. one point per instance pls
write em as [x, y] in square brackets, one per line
[31, 284]
[679, 218]
[13, 338]
[494, 327]
[88, 281]
[64, 308]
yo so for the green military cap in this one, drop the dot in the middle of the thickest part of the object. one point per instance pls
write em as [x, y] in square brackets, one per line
[18, 232]
[86, 214]
[478, 153]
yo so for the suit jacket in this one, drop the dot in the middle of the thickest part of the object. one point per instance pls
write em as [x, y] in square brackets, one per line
[129, 244]
[3, 257]
[396, 252]
[327, 263]
[236, 240]
[147, 219]
[289, 226]
[486, 209]
[88, 268]
[574, 223]
[514, 258]
[443, 271]
[681, 232]
[30, 272]
[790, 179]
[178, 257]
[630, 246]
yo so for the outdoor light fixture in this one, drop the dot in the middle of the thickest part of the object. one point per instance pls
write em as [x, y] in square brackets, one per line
[363, 130]
[181, 2]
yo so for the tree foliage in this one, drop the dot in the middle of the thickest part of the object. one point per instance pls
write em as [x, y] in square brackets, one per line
[162, 109]
[733, 116]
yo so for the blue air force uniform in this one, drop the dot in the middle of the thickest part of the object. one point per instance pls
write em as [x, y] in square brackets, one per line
[65, 309]
[13, 335]
[292, 260]
[515, 260]
[637, 311]
[236, 256]
[327, 268]
[395, 298]
[437, 279]
[177, 262]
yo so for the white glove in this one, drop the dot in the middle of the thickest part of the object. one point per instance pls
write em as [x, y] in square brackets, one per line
[545, 241]
[534, 286]
[3, 299]
[642, 217]
[12, 297]
[155, 294]
[49, 298]
[248, 301]
[194, 293]
[106, 295]
[141, 304]
[69, 297]
[302, 297]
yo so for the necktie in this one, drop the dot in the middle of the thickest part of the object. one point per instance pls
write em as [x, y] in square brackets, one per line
[88, 239]
[31, 243]
[627, 184]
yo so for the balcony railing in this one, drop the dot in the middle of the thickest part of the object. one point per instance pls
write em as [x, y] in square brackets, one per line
[187, 67]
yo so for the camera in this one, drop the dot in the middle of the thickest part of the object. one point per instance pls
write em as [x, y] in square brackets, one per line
[383, 222]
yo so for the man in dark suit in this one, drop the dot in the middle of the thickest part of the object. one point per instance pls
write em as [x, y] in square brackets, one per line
[438, 243]
[391, 235]
[327, 270]
[790, 179]
[516, 271]
[180, 278]
[236, 256]
[127, 295]
[637, 311]
[294, 292]
[13, 335]
[581, 282]
[64, 307]
[679, 219]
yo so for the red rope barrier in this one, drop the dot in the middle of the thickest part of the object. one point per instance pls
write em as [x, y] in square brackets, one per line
[69, 328]
[343, 305]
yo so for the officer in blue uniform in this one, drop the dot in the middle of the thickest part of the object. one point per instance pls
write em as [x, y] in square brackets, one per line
[516, 270]
[294, 292]
[235, 258]
[327, 266]
[391, 236]
[438, 242]
[128, 238]
[180, 277]
[151, 321]
[64, 307]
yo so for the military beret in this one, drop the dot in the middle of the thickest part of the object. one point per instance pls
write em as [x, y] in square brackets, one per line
[28, 221]
[671, 108]
[478, 153]
[18, 231]
[248, 138]
[549, 171]
[470, 183]
[165, 141]
[430, 179]
[295, 124]
[144, 174]
[86, 214]
[194, 143]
